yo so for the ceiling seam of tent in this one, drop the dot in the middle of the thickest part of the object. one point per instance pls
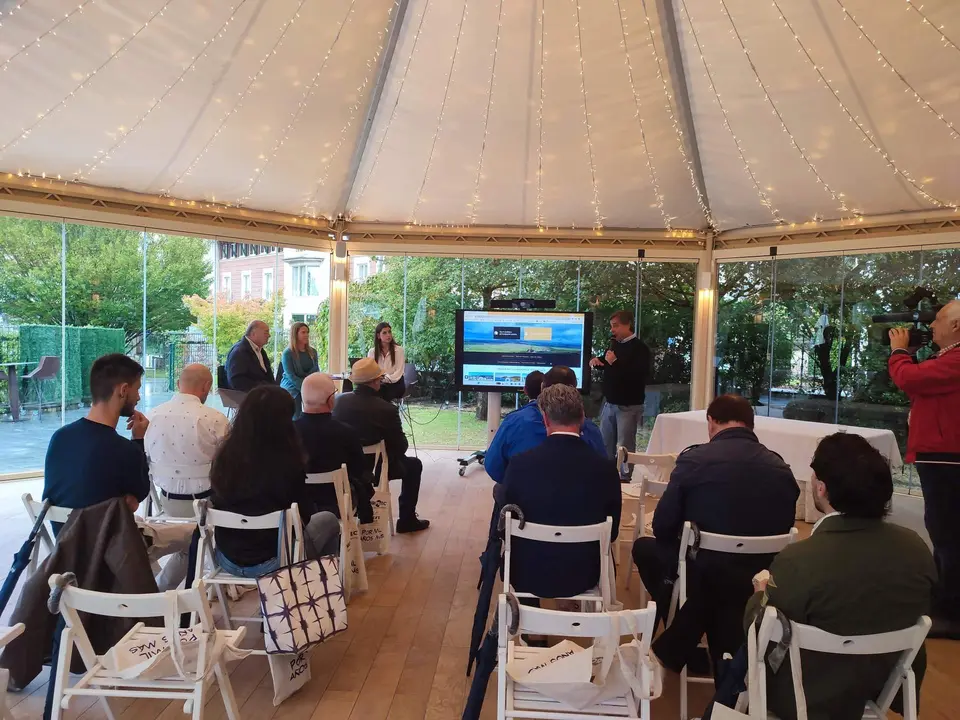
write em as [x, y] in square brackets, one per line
[683, 119]
[376, 94]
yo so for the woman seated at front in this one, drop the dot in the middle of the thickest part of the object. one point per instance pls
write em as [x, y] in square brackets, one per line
[391, 359]
[259, 469]
[298, 361]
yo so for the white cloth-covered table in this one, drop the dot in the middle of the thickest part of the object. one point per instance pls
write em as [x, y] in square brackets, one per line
[794, 440]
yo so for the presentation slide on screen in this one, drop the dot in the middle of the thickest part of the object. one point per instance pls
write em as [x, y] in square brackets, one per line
[502, 348]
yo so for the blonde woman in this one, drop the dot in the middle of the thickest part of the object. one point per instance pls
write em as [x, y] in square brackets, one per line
[390, 358]
[298, 361]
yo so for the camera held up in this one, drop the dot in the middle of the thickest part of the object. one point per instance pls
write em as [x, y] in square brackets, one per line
[920, 333]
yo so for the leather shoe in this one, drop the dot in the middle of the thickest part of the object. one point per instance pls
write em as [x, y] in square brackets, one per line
[944, 629]
[411, 524]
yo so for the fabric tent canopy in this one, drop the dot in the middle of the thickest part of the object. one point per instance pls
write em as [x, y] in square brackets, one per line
[654, 114]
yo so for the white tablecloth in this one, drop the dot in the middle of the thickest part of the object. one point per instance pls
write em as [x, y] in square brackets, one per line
[794, 440]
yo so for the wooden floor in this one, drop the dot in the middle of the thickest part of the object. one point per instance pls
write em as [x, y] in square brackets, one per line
[404, 655]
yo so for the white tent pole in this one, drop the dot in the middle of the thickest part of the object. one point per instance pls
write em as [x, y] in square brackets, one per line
[702, 366]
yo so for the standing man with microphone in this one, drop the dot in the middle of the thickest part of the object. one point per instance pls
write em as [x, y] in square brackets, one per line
[625, 367]
[933, 387]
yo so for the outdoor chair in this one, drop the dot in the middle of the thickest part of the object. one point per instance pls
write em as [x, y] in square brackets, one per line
[46, 369]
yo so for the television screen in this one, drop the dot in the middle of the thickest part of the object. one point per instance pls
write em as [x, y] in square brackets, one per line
[497, 349]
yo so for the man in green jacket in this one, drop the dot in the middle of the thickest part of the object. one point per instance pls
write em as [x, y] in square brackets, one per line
[855, 575]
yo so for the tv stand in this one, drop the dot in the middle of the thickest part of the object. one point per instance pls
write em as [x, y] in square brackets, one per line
[493, 422]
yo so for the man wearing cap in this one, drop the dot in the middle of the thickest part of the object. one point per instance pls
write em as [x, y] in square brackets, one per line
[330, 444]
[374, 419]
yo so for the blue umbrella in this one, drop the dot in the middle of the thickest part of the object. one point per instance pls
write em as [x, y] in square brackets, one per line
[487, 658]
[22, 558]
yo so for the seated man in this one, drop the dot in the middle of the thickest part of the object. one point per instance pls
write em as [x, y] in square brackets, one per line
[523, 429]
[732, 485]
[375, 419]
[562, 481]
[88, 462]
[854, 575]
[181, 440]
[247, 363]
[329, 444]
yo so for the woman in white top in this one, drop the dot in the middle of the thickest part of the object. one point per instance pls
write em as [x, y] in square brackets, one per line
[390, 358]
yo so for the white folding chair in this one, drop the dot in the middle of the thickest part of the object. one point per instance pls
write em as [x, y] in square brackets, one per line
[603, 595]
[907, 642]
[379, 453]
[518, 701]
[730, 544]
[102, 683]
[341, 482]
[7, 633]
[211, 573]
[46, 535]
[654, 475]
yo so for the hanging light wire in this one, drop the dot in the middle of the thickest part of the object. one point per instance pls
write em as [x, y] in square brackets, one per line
[938, 28]
[597, 216]
[51, 31]
[540, 120]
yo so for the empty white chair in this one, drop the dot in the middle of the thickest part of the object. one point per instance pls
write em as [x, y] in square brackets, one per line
[213, 574]
[340, 481]
[654, 475]
[379, 454]
[517, 701]
[731, 544]
[99, 681]
[45, 535]
[601, 596]
[907, 642]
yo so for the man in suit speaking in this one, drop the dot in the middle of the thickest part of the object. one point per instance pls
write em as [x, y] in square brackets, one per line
[247, 362]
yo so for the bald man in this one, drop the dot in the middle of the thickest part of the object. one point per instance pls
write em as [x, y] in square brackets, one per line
[933, 387]
[247, 362]
[180, 442]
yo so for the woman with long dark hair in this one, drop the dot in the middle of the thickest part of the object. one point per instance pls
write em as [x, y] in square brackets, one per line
[390, 358]
[298, 360]
[259, 469]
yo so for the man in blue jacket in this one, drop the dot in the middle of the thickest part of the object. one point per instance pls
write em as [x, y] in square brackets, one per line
[524, 429]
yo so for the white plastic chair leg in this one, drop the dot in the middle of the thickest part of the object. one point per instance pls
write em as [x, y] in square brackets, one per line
[224, 606]
[226, 691]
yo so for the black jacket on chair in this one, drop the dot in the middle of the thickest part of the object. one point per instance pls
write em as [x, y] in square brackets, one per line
[243, 369]
[374, 419]
[562, 481]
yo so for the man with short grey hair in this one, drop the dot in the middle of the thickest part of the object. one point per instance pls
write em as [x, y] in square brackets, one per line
[562, 481]
[247, 363]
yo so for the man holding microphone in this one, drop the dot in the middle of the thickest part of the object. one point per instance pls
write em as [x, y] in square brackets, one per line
[933, 387]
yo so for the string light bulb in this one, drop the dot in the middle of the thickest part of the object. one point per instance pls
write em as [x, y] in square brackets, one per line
[241, 96]
[542, 23]
[298, 111]
[105, 155]
[475, 200]
[83, 83]
[837, 196]
[51, 31]
[443, 107]
[597, 216]
[867, 136]
[764, 199]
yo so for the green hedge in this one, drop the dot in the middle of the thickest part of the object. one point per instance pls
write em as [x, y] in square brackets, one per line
[83, 346]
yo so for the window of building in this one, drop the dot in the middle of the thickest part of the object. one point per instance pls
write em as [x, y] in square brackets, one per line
[245, 285]
[267, 284]
[362, 271]
[226, 286]
[305, 281]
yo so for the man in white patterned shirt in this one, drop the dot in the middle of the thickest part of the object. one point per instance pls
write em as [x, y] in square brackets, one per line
[181, 440]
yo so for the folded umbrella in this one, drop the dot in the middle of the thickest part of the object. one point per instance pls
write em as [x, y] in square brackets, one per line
[22, 558]
[487, 660]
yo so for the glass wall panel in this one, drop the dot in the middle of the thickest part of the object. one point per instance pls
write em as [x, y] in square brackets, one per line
[31, 293]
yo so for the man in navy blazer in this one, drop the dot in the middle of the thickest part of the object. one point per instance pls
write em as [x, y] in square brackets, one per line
[562, 481]
[247, 363]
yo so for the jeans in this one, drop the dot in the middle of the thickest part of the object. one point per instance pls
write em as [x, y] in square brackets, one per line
[618, 426]
[321, 536]
[941, 501]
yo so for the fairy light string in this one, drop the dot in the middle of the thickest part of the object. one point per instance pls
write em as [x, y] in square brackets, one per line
[867, 136]
[104, 156]
[885, 61]
[651, 170]
[597, 216]
[302, 104]
[947, 42]
[241, 96]
[764, 199]
[475, 200]
[393, 111]
[540, 119]
[52, 31]
[443, 107]
[83, 83]
[837, 196]
[12, 11]
[669, 102]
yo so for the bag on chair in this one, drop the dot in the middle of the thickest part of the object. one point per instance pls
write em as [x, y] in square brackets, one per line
[302, 603]
[289, 674]
[355, 572]
[375, 536]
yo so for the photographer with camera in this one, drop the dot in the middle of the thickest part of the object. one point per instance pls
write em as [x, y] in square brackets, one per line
[933, 387]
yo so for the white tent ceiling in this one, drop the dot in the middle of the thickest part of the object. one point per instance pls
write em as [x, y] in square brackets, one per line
[620, 113]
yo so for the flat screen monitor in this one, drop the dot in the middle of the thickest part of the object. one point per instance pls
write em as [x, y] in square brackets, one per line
[497, 349]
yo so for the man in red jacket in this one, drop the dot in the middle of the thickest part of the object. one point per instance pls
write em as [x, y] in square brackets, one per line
[933, 387]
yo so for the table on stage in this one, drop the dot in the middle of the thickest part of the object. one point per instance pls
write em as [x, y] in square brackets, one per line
[794, 440]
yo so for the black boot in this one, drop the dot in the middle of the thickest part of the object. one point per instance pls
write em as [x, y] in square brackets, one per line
[411, 523]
